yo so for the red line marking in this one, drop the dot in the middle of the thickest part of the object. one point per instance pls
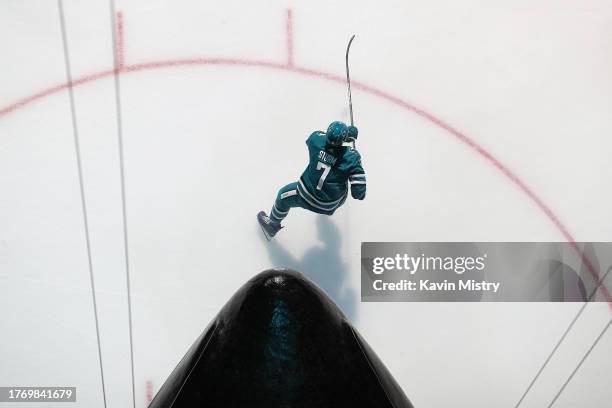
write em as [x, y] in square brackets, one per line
[120, 46]
[149, 392]
[238, 62]
[289, 30]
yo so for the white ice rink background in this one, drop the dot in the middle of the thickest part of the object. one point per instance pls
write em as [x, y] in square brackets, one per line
[215, 103]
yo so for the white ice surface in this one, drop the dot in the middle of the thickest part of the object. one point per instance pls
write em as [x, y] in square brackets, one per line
[207, 146]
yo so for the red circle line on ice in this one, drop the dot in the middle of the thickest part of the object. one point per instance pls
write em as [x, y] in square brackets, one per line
[289, 66]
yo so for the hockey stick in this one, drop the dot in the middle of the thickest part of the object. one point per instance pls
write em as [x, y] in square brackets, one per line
[348, 81]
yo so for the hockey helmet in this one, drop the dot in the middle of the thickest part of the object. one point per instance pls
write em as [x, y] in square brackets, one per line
[336, 134]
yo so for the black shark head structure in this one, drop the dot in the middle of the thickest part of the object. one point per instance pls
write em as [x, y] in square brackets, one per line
[280, 342]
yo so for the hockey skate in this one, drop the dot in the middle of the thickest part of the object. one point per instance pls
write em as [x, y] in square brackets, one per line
[269, 229]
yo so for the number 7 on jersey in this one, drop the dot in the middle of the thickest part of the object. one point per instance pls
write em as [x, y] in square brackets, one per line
[326, 168]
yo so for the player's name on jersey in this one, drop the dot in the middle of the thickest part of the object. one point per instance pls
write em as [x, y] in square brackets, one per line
[327, 158]
[427, 285]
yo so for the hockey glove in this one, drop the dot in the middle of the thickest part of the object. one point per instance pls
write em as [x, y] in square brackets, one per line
[352, 133]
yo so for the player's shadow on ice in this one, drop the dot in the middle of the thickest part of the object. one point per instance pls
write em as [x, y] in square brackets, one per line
[322, 263]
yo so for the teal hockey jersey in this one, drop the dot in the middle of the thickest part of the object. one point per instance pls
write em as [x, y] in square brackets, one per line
[324, 183]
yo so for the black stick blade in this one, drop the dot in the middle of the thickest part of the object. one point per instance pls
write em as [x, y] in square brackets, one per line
[280, 342]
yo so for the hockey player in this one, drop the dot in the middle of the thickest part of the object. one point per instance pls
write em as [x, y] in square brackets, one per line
[323, 186]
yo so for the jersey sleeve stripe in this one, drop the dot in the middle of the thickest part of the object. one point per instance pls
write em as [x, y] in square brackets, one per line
[357, 182]
[357, 175]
